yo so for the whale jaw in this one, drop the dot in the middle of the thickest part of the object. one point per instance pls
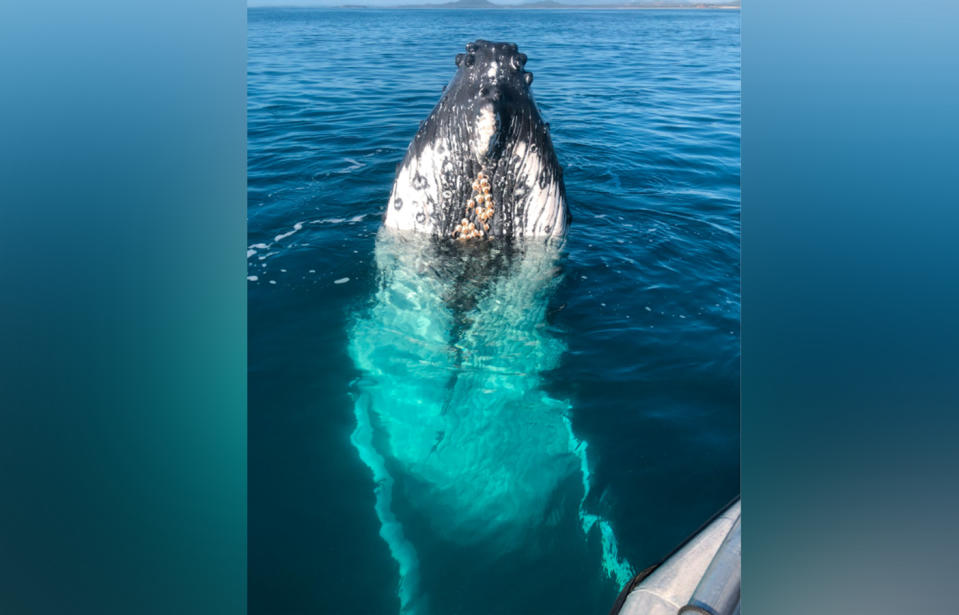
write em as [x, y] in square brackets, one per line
[485, 125]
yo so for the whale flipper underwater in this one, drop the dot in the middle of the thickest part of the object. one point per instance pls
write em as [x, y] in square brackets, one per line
[469, 453]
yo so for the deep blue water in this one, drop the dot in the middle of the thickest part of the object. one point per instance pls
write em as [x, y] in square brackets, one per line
[633, 344]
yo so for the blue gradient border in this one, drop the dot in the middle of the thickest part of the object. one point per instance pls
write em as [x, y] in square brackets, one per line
[850, 287]
[123, 310]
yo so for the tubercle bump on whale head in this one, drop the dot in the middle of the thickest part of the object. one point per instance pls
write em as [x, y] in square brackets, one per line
[493, 63]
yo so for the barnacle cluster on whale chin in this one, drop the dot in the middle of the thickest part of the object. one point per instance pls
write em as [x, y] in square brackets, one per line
[479, 211]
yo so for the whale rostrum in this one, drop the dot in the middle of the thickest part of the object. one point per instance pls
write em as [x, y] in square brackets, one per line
[482, 165]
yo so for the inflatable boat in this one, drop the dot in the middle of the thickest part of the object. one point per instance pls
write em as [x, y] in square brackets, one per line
[701, 577]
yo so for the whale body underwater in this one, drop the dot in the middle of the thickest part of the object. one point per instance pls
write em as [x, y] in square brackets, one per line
[452, 414]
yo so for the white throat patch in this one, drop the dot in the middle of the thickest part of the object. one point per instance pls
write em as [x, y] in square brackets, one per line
[486, 126]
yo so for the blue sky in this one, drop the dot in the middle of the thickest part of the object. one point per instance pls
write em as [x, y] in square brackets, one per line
[397, 2]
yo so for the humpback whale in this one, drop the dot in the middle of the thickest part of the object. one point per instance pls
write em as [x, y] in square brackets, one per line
[482, 164]
[453, 418]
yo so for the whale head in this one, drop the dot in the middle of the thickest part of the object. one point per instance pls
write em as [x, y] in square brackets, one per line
[482, 165]
[491, 87]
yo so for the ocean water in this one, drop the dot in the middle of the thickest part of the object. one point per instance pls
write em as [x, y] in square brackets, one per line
[509, 430]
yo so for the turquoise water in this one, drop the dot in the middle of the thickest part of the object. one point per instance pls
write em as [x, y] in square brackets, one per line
[508, 430]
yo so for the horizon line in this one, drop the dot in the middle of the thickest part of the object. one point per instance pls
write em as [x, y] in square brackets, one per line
[557, 6]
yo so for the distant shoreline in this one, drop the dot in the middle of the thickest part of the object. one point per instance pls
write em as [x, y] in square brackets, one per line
[577, 7]
[524, 7]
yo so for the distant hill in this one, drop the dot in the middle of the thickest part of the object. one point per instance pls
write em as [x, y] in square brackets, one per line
[458, 4]
[552, 4]
[544, 4]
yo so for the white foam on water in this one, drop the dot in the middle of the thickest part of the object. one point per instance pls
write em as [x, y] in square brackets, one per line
[252, 250]
[354, 166]
[282, 236]
[353, 220]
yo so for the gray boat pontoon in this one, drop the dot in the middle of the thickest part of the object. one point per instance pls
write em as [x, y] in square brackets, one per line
[702, 576]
